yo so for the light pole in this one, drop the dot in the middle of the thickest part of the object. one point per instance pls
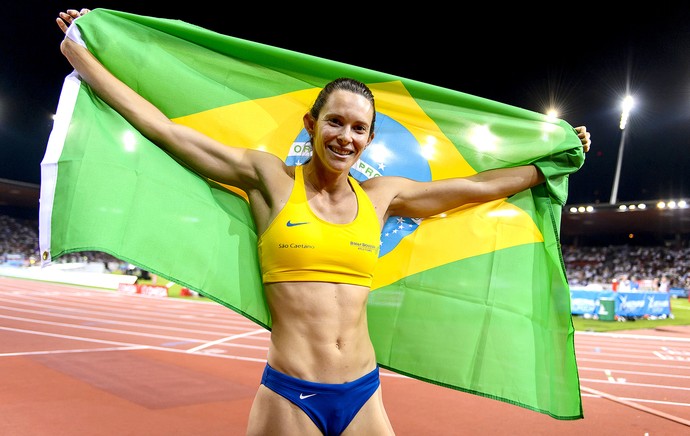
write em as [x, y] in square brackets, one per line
[627, 106]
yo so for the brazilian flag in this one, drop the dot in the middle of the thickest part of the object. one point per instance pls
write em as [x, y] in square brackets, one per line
[475, 299]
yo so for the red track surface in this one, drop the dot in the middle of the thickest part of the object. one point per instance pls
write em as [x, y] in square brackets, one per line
[78, 361]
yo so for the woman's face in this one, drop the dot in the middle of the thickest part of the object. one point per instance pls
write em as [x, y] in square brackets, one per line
[343, 130]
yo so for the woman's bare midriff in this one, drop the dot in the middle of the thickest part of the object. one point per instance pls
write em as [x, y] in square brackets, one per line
[320, 331]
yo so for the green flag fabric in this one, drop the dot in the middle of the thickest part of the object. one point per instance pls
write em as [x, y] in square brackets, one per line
[475, 299]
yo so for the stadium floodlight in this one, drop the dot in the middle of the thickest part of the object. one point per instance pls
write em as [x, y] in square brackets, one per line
[628, 103]
[627, 106]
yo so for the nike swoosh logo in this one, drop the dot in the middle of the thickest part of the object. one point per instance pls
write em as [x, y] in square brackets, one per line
[302, 396]
[291, 224]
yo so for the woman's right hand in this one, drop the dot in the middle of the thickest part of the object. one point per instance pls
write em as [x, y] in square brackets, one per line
[66, 18]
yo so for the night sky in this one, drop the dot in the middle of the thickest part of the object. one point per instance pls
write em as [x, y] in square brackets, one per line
[581, 60]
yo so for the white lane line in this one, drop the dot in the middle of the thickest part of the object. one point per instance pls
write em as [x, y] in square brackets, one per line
[634, 405]
[634, 363]
[134, 346]
[107, 316]
[642, 373]
[125, 332]
[84, 350]
[646, 385]
[611, 379]
[633, 336]
[227, 339]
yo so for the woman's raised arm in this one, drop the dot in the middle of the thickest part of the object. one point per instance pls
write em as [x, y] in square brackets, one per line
[210, 158]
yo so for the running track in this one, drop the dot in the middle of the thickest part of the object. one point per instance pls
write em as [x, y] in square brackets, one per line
[80, 361]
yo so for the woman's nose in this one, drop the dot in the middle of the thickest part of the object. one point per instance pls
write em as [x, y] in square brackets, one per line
[345, 136]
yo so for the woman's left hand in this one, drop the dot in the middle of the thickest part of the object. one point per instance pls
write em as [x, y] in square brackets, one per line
[66, 18]
[584, 136]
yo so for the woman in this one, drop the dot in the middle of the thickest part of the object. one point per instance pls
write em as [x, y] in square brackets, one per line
[321, 375]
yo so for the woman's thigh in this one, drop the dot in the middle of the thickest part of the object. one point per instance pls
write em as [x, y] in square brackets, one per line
[272, 414]
[371, 419]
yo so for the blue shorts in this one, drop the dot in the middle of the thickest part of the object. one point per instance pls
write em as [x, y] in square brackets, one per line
[331, 406]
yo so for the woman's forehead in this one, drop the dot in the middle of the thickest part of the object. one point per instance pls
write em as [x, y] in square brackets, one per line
[348, 102]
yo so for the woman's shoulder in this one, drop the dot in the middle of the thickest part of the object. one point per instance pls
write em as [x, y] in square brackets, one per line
[382, 182]
[270, 165]
[383, 188]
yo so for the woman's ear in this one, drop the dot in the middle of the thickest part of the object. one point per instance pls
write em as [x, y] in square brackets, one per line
[309, 123]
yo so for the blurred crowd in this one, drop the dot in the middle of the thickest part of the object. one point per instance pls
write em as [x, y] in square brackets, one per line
[658, 268]
[20, 237]
[17, 236]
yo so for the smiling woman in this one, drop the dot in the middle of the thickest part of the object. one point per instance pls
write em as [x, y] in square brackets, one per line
[310, 235]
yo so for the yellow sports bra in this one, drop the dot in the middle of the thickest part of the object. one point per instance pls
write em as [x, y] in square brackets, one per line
[299, 246]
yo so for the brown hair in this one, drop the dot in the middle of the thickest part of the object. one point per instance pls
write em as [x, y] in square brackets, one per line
[345, 84]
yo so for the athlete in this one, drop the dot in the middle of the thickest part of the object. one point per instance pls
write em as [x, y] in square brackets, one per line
[321, 375]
